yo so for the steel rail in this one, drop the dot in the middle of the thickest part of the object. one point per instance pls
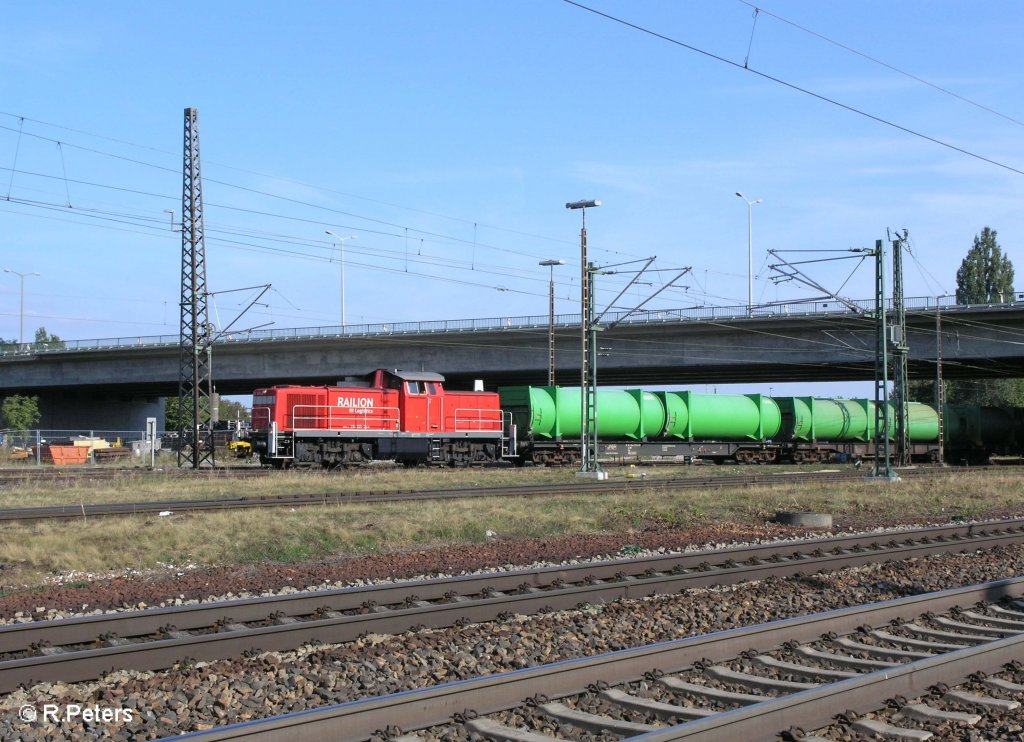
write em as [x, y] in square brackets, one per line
[818, 707]
[419, 709]
[42, 476]
[85, 647]
[531, 490]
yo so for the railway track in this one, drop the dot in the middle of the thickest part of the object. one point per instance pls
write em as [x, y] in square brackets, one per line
[85, 647]
[57, 512]
[63, 475]
[898, 669]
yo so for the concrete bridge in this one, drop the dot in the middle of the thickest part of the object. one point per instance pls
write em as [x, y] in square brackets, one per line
[88, 382]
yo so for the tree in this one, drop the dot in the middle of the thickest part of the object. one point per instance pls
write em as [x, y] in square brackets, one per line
[19, 412]
[233, 410]
[991, 392]
[985, 275]
[175, 414]
[45, 340]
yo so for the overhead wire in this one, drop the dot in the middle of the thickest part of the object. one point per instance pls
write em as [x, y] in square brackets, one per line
[290, 181]
[881, 63]
[308, 204]
[216, 233]
[362, 228]
[220, 235]
[793, 86]
[215, 204]
[250, 247]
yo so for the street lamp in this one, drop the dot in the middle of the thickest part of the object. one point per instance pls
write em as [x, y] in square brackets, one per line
[21, 334]
[551, 263]
[588, 367]
[341, 243]
[750, 249]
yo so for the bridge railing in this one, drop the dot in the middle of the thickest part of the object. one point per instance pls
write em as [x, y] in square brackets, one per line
[696, 313]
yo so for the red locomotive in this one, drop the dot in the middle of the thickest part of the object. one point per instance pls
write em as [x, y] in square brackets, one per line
[404, 416]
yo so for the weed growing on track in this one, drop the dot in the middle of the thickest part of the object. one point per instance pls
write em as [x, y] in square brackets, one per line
[320, 532]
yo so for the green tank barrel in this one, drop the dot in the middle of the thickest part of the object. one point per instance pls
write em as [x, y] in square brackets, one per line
[636, 414]
[923, 422]
[532, 408]
[652, 414]
[842, 419]
[555, 412]
[677, 417]
[797, 418]
[729, 416]
[849, 420]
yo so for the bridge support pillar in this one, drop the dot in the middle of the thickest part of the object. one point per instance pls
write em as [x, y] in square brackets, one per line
[84, 411]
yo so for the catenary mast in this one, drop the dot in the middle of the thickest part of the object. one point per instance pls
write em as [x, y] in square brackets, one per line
[195, 381]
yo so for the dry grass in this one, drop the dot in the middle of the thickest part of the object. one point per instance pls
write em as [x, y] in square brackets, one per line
[300, 534]
[179, 485]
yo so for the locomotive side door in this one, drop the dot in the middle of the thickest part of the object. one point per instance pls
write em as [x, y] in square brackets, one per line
[415, 410]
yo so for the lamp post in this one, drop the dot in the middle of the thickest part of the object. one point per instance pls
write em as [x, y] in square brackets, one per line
[588, 368]
[21, 333]
[341, 244]
[551, 263]
[750, 249]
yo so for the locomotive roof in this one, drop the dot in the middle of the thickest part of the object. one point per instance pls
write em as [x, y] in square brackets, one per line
[416, 375]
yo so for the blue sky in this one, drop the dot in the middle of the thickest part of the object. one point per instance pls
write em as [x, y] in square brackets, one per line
[449, 135]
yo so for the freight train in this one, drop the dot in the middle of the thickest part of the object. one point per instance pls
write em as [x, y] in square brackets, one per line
[411, 418]
[635, 424]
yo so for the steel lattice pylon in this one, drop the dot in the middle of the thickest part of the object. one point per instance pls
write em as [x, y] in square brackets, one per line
[195, 382]
[900, 350]
[883, 462]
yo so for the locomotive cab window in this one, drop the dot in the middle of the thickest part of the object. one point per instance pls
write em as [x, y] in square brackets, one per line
[414, 387]
[431, 387]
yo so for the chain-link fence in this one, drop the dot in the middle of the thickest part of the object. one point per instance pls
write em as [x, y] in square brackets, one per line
[81, 446]
[120, 447]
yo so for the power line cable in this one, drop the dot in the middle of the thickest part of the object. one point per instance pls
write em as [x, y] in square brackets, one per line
[888, 66]
[795, 87]
[311, 205]
[155, 223]
[274, 177]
